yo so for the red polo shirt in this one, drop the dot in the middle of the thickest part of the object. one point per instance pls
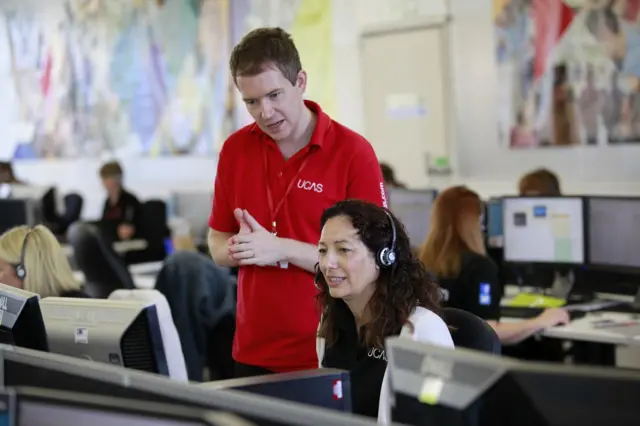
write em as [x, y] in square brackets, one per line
[277, 317]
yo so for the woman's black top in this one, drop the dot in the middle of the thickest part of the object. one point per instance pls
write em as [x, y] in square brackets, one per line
[476, 289]
[366, 365]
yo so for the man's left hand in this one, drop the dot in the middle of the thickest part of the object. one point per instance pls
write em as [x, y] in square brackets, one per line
[260, 247]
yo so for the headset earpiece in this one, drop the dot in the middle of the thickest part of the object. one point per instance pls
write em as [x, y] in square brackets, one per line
[21, 271]
[387, 255]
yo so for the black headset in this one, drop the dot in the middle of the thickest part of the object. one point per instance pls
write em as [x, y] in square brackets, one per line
[21, 271]
[387, 255]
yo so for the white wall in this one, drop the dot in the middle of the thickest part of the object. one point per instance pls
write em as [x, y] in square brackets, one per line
[478, 160]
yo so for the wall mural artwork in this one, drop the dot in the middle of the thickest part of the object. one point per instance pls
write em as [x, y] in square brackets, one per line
[90, 78]
[569, 72]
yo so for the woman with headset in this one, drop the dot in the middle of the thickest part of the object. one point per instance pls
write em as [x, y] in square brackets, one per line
[454, 252]
[370, 287]
[32, 259]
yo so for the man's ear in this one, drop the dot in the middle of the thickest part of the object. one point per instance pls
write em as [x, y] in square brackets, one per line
[301, 81]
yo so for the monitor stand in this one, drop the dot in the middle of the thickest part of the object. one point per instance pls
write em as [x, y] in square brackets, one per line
[562, 285]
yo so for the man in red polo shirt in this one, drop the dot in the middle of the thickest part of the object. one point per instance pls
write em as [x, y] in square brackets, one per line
[275, 178]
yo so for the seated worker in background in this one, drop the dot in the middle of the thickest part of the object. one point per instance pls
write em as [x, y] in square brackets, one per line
[32, 260]
[6, 173]
[389, 177]
[539, 182]
[121, 214]
[454, 251]
[370, 287]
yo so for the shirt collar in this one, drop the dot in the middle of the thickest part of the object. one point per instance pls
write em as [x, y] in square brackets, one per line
[322, 125]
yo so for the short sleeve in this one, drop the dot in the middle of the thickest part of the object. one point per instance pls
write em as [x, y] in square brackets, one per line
[482, 291]
[221, 218]
[365, 176]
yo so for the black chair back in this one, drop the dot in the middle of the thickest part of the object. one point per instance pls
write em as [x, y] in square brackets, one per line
[154, 225]
[471, 332]
[104, 270]
[73, 204]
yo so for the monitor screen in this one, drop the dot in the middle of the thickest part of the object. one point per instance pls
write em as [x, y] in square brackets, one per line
[44, 407]
[14, 213]
[21, 322]
[48, 414]
[326, 388]
[412, 208]
[433, 385]
[614, 231]
[494, 223]
[544, 230]
[118, 332]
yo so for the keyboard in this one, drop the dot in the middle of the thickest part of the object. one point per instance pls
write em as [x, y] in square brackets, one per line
[528, 313]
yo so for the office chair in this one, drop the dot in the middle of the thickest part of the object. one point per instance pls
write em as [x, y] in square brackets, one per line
[73, 204]
[103, 269]
[471, 332]
[170, 338]
[154, 229]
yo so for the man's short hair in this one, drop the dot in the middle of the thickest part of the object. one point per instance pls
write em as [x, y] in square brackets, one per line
[112, 169]
[264, 47]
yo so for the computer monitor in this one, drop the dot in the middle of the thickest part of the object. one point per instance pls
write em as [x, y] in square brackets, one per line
[459, 387]
[5, 190]
[493, 223]
[412, 207]
[21, 321]
[614, 232]
[326, 388]
[22, 367]
[548, 230]
[119, 332]
[187, 204]
[18, 212]
[45, 407]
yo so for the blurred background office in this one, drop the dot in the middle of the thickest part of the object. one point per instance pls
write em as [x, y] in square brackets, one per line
[113, 117]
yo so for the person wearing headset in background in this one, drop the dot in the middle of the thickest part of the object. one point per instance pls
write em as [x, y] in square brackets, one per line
[539, 182]
[370, 287]
[454, 251]
[32, 260]
[121, 213]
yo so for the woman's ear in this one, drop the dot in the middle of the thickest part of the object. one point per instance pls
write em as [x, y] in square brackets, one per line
[318, 276]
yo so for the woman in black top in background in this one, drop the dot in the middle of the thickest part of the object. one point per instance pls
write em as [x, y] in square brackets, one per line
[454, 251]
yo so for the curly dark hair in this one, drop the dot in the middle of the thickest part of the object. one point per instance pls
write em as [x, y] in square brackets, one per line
[399, 289]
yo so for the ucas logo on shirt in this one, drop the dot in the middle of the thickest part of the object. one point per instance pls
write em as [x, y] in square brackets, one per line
[307, 185]
[377, 353]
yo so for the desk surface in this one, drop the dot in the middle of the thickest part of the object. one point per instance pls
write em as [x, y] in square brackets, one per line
[585, 329]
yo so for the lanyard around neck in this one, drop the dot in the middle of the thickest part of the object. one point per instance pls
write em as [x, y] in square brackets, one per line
[273, 210]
